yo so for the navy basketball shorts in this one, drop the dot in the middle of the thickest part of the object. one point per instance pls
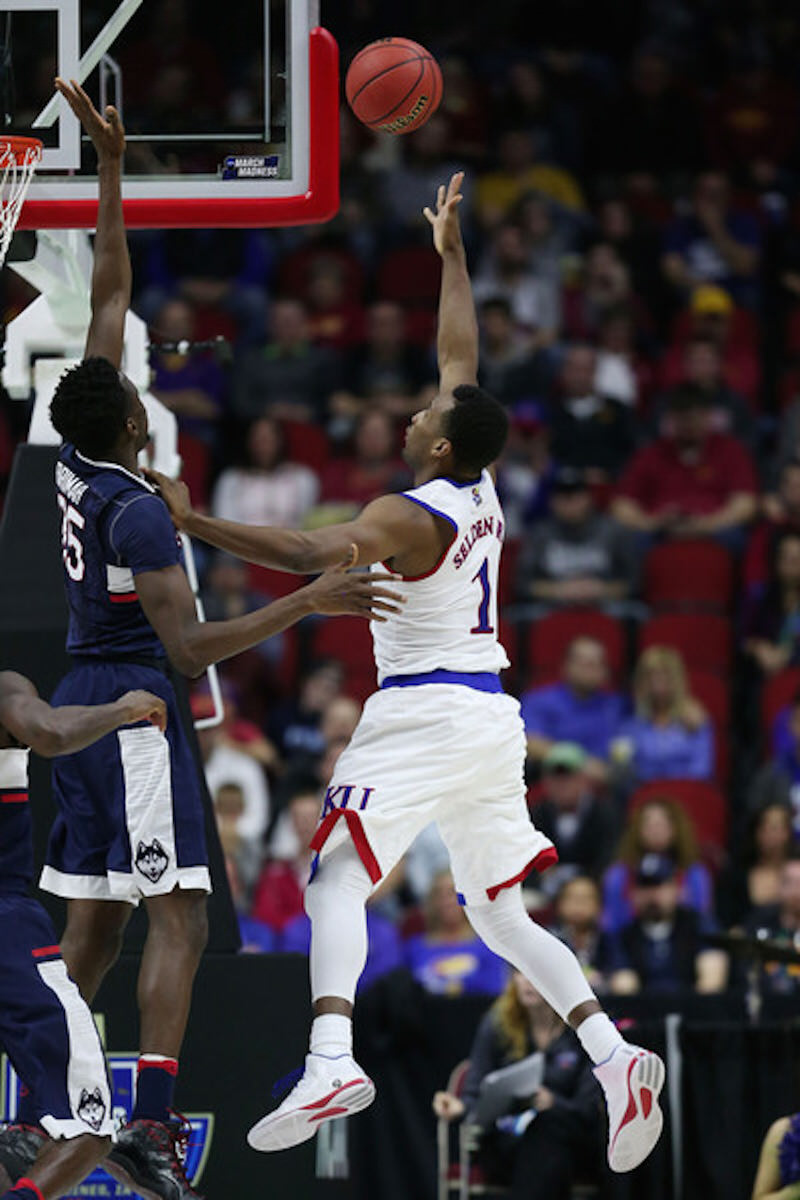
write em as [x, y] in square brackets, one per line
[130, 820]
[46, 1027]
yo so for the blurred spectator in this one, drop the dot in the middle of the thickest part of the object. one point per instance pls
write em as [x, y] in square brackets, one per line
[525, 103]
[245, 852]
[663, 949]
[465, 104]
[580, 708]
[294, 726]
[780, 921]
[267, 490]
[635, 241]
[227, 592]
[577, 923]
[660, 826]
[549, 1138]
[335, 318]
[509, 369]
[427, 161]
[729, 412]
[386, 369]
[778, 780]
[191, 385]
[623, 373]
[582, 826]
[714, 243]
[374, 469]
[653, 127]
[691, 482]
[240, 764]
[506, 272]
[588, 430]
[753, 878]
[526, 469]
[771, 624]
[669, 736]
[287, 377]
[546, 242]
[278, 896]
[577, 556]
[602, 287]
[753, 118]
[781, 510]
[712, 317]
[519, 171]
[449, 958]
[426, 858]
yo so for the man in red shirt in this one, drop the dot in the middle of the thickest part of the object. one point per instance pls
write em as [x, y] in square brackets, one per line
[690, 482]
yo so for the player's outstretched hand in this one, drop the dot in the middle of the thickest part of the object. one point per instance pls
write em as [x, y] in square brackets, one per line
[340, 591]
[106, 132]
[444, 222]
[175, 495]
[143, 706]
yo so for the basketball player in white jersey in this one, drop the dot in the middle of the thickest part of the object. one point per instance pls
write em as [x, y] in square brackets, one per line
[438, 741]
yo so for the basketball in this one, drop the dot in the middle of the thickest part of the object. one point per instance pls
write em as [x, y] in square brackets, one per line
[394, 85]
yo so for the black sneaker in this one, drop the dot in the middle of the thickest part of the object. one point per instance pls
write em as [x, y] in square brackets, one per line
[149, 1157]
[19, 1146]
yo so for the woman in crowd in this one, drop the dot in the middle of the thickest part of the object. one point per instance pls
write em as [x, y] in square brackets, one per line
[551, 1136]
[658, 827]
[449, 958]
[669, 735]
[753, 879]
[772, 618]
[267, 490]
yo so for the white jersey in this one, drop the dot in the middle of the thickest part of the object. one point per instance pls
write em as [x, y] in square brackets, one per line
[449, 619]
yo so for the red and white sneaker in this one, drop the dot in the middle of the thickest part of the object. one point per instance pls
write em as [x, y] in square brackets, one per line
[631, 1080]
[328, 1088]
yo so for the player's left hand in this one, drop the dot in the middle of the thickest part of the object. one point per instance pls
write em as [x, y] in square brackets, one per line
[174, 493]
[444, 222]
[106, 132]
[140, 705]
[340, 591]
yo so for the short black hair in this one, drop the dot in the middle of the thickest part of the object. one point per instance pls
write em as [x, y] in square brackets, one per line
[89, 406]
[476, 427]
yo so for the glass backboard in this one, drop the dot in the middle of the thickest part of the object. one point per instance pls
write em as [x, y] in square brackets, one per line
[230, 108]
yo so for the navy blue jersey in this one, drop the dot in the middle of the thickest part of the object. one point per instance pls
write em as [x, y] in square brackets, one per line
[16, 836]
[113, 525]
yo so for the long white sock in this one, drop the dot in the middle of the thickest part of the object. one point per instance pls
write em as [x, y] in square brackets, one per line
[599, 1037]
[335, 901]
[505, 927]
[331, 1035]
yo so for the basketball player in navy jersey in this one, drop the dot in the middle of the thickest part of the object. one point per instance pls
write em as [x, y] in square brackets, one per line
[64, 1126]
[130, 823]
[438, 741]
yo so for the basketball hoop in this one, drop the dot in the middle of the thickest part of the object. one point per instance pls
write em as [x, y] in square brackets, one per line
[19, 157]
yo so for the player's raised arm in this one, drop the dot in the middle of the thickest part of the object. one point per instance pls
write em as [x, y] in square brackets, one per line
[111, 277]
[54, 731]
[388, 526]
[457, 339]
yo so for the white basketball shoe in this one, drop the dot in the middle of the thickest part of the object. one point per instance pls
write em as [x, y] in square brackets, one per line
[328, 1088]
[631, 1080]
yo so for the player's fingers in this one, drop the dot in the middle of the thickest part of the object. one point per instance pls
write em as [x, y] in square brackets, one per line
[382, 606]
[382, 577]
[455, 183]
[440, 195]
[386, 594]
[426, 212]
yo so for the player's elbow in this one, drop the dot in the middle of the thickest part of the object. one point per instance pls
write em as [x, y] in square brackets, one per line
[304, 557]
[186, 657]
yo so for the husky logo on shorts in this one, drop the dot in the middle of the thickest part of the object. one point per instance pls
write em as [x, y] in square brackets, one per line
[91, 1107]
[152, 860]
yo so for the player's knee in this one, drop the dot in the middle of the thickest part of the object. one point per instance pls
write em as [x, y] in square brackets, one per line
[97, 940]
[182, 919]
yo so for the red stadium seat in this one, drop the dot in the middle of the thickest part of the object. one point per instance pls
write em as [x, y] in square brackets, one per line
[549, 638]
[778, 691]
[692, 575]
[410, 275]
[348, 641]
[306, 443]
[703, 639]
[703, 802]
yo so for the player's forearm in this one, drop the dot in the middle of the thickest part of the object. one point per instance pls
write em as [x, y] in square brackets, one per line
[111, 277]
[457, 340]
[282, 549]
[214, 641]
[74, 727]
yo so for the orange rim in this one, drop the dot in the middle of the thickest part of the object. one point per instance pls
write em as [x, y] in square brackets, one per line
[20, 147]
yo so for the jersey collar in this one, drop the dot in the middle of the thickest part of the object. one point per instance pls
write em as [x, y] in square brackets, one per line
[107, 466]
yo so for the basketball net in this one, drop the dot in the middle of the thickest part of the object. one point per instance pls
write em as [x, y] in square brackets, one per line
[19, 157]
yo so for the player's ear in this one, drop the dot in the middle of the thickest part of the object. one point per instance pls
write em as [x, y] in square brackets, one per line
[441, 448]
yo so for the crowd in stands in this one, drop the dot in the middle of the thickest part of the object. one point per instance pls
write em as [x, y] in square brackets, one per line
[632, 221]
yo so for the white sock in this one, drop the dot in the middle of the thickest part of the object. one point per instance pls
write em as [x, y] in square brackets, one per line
[599, 1037]
[331, 1035]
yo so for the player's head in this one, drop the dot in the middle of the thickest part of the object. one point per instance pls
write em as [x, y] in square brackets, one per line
[98, 410]
[459, 434]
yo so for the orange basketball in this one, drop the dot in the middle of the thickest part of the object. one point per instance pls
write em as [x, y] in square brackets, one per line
[393, 85]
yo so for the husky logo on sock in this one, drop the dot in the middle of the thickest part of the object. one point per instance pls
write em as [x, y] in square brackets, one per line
[91, 1108]
[152, 860]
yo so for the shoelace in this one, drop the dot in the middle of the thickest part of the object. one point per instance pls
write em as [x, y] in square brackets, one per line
[285, 1084]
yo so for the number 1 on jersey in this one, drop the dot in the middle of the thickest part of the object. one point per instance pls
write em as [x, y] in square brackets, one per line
[482, 577]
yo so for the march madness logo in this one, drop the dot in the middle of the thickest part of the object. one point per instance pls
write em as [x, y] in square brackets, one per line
[152, 860]
[122, 1068]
